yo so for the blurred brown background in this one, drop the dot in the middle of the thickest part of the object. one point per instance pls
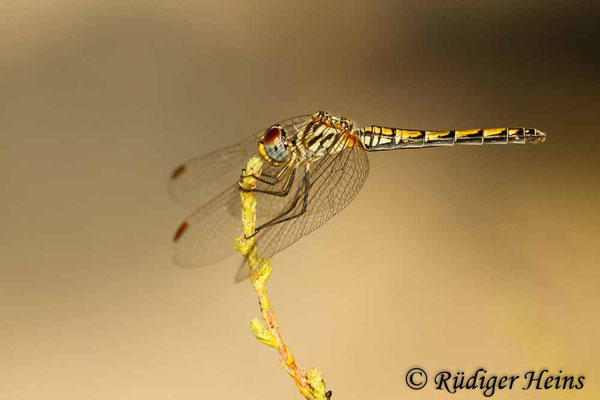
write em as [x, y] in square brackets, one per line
[477, 256]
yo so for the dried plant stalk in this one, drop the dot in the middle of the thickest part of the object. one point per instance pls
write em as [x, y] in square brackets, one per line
[310, 383]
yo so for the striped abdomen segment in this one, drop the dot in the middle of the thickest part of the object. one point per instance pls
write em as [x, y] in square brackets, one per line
[376, 138]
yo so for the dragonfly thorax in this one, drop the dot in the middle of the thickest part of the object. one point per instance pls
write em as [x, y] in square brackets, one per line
[321, 134]
[326, 134]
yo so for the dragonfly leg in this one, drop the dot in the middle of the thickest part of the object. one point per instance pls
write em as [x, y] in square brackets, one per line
[274, 179]
[302, 193]
[281, 193]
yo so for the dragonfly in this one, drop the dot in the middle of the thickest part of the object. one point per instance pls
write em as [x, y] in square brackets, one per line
[314, 165]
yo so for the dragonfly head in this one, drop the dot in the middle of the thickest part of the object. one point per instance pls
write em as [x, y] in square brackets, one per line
[272, 146]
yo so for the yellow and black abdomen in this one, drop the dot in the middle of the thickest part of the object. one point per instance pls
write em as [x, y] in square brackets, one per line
[377, 138]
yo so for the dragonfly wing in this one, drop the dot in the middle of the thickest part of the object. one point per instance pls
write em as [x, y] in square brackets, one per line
[200, 179]
[207, 235]
[334, 181]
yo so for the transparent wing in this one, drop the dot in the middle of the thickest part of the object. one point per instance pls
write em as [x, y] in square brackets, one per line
[211, 180]
[208, 235]
[200, 179]
[334, 181]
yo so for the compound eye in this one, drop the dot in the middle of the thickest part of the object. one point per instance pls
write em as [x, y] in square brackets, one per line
[274, 142]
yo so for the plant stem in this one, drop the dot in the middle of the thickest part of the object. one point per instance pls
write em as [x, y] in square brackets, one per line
[311, 383]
